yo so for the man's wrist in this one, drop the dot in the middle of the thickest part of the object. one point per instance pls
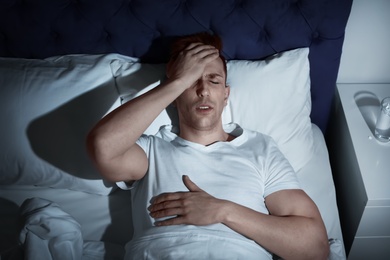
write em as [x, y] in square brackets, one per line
[225, 211]
[179, 83]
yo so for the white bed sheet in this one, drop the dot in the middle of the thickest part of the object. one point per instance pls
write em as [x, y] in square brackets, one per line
[317, 180]
[102, 218]
[108, 218]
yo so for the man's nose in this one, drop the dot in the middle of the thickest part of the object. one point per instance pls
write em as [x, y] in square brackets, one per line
[202, 89]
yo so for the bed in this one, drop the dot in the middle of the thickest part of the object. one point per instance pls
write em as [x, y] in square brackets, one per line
[65, 64]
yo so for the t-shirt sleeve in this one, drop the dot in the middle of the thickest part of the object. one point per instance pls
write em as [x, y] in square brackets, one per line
[125, 185]
[144, 142]
[280, 174]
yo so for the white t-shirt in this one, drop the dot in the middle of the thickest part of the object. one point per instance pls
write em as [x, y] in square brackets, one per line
[244, 170]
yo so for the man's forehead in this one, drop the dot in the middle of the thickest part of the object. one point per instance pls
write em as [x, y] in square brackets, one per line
[215, 69]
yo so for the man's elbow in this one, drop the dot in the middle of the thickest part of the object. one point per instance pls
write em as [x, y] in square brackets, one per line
[316, 244]
[98, 155]
[96, 147]
[92, 145]
[321, 249]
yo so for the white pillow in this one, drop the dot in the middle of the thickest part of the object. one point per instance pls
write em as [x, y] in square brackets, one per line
[272, 96]
[133, 80]
[47, 108]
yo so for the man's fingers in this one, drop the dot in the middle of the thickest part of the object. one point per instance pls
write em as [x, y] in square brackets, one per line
[167, 196]
[201, 50]
[165, 205]
[190, 63]
[167, 212]
[191, 186]
[197, 47]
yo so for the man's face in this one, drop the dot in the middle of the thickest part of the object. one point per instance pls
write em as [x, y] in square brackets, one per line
[200, 106]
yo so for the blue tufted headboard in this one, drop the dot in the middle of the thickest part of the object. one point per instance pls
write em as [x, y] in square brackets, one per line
[250, 29]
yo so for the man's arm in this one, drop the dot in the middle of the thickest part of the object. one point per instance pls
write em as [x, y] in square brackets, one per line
[112, 142]
[294, 230]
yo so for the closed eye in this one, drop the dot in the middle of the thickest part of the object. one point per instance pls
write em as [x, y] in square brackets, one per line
[214, 78]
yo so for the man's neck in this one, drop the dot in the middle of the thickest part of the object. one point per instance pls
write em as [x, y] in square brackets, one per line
[204, 136]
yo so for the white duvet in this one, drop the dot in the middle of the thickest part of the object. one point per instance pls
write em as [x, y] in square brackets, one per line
[50, 233]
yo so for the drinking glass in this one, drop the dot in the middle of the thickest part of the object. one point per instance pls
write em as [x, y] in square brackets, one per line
[382, 127]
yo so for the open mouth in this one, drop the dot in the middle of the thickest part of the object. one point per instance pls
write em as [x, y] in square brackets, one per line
[203, 108]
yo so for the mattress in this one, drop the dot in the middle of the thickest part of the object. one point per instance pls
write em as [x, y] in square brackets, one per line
[107, 219]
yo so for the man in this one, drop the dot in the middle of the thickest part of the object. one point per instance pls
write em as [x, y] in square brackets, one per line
[204, 191]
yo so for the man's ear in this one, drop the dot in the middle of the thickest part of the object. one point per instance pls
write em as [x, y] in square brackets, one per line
[227, 93]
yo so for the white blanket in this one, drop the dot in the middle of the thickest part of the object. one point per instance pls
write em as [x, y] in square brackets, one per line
[50, 233]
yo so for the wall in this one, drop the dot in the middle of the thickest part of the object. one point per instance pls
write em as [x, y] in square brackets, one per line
[366, 51]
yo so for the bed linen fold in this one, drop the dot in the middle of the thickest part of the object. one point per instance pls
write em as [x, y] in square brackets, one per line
[50, 233]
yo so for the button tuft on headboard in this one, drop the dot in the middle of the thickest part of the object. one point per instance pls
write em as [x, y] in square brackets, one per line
[107, 35]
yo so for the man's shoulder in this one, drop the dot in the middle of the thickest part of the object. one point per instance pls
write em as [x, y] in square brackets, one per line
[165, 133]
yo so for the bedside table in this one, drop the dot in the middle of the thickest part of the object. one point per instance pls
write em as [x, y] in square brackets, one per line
[361, 170]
